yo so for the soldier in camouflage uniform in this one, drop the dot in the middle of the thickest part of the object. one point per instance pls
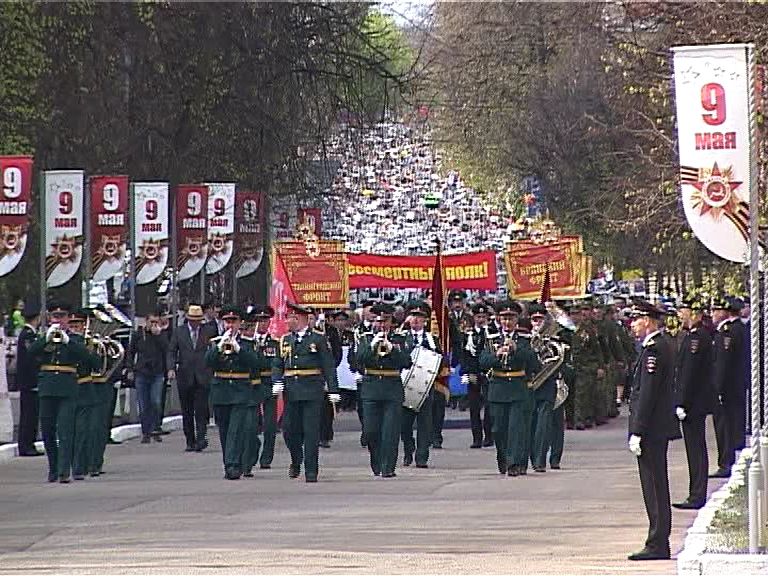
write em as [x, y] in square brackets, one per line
[587, 361]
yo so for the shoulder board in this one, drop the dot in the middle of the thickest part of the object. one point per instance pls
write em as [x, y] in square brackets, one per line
[492, 335]
[725, 327]
[650, 343]
[318, 331]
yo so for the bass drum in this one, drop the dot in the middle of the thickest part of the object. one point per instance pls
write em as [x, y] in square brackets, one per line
[562, 392]
[419, 378]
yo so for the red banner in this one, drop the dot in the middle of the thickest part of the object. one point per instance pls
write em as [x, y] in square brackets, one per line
[191, 229]
[280, 293]
[15, 208]
[313, 217]
[109, 225]
[249, 231]
[316, 271]
[527, 267]
[474, 271]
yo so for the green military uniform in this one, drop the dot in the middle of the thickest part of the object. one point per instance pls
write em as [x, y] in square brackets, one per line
[557, 427]
[304, 366]
[101, 417]
[618, 361]
[86, 408]
[231, 393]
[509, 397]
[543, 400]
[382, 397]
[602, 387]
[587, 359]
[58, 390]
[269, 349]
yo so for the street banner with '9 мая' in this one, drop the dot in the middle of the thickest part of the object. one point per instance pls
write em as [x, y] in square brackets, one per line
[473, 271]
[316, 271]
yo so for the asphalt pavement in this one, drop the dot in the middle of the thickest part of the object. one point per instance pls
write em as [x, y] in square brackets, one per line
[159, 510]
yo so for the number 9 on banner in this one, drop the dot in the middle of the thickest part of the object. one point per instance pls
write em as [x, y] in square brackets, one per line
[151, 209]
[713, 101]
[12, 182]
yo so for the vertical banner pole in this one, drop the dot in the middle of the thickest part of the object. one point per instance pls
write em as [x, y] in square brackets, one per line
[43, 246]
[755, 473]
[88, 231]
[172, 209]
[132, 216]
[202, 285]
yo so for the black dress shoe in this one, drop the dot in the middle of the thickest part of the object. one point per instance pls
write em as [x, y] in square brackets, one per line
[311, 479]
[438, 446]
[189, 448]
[487, 443]
[31, 453]
[422, 465]
[476, 445]
[649, 554]
[145, 439]
[363, 441]
[407, 459]
[376, 473]
[95, 474]
[232, 475]
[248, 474]
[293, 471]
[389, 475]
[78, 476]
[325, 444]
[63, 479]
[52, 477]
[720, 473]
[513, 471]
[688, 505]
[265, 466]
[539, 469]
[157, 438]
[555, 466]
[115, 442]
[200, 446]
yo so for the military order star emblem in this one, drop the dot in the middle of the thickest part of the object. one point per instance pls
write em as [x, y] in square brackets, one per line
[715, 192]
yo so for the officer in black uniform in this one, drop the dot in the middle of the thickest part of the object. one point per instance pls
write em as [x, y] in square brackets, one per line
[695, 398]
[729, 384]
[26, 379]
[474, 342]
[652, 424]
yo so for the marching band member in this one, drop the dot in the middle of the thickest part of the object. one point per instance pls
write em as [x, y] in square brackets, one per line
[513, 363]
[382, 355]
[303, 368]
[86, 402]
[474, 342]
[268, 346]
[543, 401]
[418, 313]
[251, 441]
[58, 357]
[232, 361]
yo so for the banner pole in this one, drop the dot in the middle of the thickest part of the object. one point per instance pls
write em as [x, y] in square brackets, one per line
[172, 215]
[132, 215]
[43, 246]
[88, 231]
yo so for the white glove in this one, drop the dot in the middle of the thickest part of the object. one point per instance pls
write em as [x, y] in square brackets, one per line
[49, 333]
[235, 346]
[680, 411]
[378, 338]
[358, 378]
[465, 379]
[634, 445]
[64, 338]
[277, 388]
[334, 398]
[470, 347]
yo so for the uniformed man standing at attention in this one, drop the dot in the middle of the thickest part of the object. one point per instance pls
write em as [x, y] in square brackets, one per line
[652, 424]
[232, 363]
[513, 364]
[26, 379]
[302, 368]
[59, 358]
[695, 399]
[381, 356]
[418, 312]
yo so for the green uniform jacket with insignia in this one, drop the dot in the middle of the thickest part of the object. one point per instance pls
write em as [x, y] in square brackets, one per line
[378, 384]
[305, 367]
[257, 389]
[86, 393]
[59, 365]
[586, 352]
[269, 351]
[509, 380]
[231, 383]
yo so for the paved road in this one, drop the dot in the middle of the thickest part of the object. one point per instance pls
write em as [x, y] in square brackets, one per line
[160, 510]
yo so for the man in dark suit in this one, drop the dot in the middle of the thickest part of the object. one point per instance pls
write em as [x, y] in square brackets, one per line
[211, 318]
[652, 424]
[186, 361]
[474, 342]
[26, 376]
[695, 399]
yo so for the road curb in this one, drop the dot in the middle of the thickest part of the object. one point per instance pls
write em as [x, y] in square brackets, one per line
[119, 434]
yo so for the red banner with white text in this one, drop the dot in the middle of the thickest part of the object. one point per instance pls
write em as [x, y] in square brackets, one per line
[474, 271]
[15, 209]
[109, 225]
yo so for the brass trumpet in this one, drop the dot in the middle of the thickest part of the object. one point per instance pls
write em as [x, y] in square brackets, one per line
[57, 336]
[228, 346]
[383, 347]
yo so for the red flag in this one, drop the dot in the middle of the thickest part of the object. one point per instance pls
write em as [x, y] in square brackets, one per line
[546, 287]
[441, 322]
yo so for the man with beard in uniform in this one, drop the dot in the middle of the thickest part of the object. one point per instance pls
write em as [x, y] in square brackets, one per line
[417, 335]
[652, 424]
[473, 343]
[729, 379]
[695, 399]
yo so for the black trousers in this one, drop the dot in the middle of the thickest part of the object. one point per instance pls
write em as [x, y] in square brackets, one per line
[194, 412]
[438, 418]
[694, 433]
[476, 394]
[28, 421]
[729, 420]
[326, 422]
[654, 482]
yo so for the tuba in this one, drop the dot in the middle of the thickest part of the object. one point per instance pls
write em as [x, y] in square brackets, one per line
[98, 340]
[550, 351]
